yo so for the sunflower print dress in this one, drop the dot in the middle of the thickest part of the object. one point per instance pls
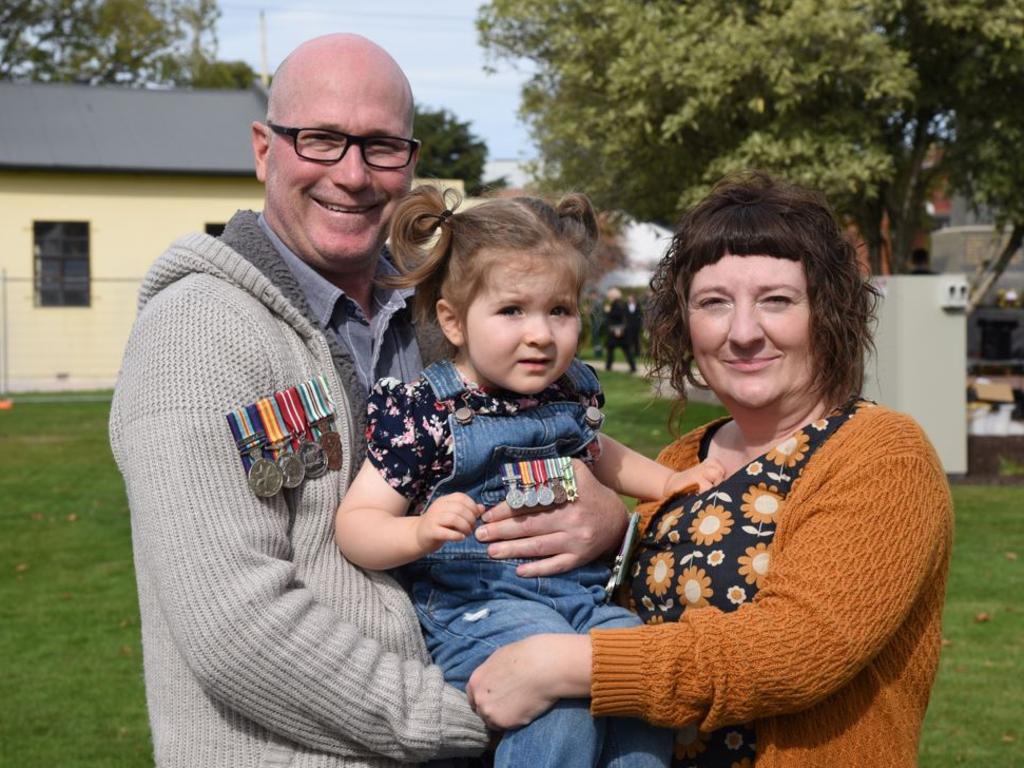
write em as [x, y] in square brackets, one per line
[714, 548]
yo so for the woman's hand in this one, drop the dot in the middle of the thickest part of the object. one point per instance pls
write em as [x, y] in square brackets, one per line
[521, 681]
[562, 537]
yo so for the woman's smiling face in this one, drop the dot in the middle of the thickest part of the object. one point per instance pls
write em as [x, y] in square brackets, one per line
[750, 330]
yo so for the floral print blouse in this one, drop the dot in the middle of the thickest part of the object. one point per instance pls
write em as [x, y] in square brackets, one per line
[409, 440]
[714, 549]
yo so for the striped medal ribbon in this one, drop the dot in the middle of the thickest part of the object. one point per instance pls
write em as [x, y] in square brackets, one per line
[320, 410]
[312, 455]
[291, 466]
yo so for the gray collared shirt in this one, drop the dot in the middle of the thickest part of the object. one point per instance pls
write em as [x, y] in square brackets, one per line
[384, 345]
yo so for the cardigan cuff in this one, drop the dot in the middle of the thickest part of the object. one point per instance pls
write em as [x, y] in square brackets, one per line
[462, 733]
[618, 683]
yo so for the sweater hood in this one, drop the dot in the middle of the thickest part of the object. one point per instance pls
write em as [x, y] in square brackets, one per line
[260, 273]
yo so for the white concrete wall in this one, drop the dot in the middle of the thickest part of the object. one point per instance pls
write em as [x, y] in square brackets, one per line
[921, 365]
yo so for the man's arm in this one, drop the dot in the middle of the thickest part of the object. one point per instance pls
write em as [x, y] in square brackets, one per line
[316, 652]
[563, 537]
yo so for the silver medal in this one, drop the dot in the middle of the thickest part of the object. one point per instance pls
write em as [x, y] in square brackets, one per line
[292, 468]
[265, 478]
[515, 498]
[530, 497]
[314, 459]
[545, 496]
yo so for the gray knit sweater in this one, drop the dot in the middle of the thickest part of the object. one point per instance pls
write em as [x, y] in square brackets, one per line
[263, 646]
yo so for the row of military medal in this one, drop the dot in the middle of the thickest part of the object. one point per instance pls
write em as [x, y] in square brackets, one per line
[539, 483]
[287, 437]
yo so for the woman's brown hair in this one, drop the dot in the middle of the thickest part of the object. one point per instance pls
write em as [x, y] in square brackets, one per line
[447, 253]
[754, 214]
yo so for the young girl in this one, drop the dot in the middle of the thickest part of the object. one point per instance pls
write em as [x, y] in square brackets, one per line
[498, 421]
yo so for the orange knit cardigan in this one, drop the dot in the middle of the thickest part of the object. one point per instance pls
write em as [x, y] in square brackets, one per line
[834, 658]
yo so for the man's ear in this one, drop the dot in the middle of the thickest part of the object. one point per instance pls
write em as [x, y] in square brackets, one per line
[260, 148]
[450, 322]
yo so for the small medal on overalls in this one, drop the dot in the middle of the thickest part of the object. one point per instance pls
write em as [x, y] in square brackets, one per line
[312, 455]
[552, 468]
[545, 494]
[529, 484]
[566, 479]
[280, 443]
[510, 478]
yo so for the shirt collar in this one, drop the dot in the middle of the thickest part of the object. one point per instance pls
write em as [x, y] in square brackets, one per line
[321, 293]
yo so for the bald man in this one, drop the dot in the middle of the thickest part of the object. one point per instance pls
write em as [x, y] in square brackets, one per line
[237, 423]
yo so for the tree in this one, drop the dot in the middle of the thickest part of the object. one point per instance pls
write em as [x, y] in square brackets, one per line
[646, 105]
[449, 150]
[987, 164]
[122, 42]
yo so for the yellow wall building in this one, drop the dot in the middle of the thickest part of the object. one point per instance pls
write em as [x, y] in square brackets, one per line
[95, 182]
[130, 220]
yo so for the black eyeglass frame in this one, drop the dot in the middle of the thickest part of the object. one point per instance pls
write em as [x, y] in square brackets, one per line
[351, 139]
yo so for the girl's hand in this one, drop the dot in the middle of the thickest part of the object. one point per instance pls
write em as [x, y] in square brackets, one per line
[521, 681]
[705, 475]
[450, 518]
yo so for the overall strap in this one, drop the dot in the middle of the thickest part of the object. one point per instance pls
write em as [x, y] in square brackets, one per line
[444, 379]
[582, 379]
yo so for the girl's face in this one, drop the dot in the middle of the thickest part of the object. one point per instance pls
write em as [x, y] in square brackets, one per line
[521, 331]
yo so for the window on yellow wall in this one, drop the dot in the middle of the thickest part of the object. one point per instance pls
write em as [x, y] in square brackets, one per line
[61, 263]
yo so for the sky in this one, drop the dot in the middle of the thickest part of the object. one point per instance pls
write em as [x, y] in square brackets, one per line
[437, 48]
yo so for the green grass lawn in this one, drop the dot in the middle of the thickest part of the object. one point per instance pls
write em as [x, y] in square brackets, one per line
[72, 691]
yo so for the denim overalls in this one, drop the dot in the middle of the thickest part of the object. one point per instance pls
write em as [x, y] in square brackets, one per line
[470, 605]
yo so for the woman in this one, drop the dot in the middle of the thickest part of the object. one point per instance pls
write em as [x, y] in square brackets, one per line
[794, 611]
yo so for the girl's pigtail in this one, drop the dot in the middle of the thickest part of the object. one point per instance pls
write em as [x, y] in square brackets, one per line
[422, 229]
[578, 221]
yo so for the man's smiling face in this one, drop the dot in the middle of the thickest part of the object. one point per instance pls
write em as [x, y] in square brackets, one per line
[334, 216]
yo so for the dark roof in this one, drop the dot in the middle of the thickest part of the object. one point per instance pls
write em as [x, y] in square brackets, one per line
[118, 129]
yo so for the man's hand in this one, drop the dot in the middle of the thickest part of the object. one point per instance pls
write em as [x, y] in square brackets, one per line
[564, 537]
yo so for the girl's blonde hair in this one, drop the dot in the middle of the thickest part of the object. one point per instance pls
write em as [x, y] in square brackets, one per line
[448, 255]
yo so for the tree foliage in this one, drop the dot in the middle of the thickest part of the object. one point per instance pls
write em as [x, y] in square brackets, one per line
[122, 42]
[646, 105]
[450, 150]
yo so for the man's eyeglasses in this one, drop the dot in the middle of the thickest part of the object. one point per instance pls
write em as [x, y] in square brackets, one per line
[324, 146]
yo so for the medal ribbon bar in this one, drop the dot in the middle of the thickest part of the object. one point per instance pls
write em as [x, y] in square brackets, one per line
[275, 437]
[252, 418]
[330, 440]
[245, 439]
[293, 414]
[315, 408]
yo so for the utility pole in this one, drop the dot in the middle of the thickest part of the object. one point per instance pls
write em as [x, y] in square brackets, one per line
[264, 74]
